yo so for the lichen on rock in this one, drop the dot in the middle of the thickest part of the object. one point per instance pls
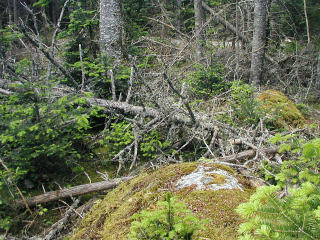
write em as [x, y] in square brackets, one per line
[209, 178]
[111, 218]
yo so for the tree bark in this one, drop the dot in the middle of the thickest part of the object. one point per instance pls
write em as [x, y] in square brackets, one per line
[111, 28]
[178, 15]
[72, 191]
[15, 12]
[199, 31]
[318, 72]
[307, 20]
[259, 40]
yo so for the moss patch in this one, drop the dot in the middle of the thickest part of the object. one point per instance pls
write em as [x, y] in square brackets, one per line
[218, 178]
[282, 108]
[111, 217]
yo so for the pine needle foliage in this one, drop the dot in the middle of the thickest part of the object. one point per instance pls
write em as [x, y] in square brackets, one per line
[269, 215]
[297, 216]
[173, 221]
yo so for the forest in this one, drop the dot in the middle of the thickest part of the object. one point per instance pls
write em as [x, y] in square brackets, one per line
[121, 99]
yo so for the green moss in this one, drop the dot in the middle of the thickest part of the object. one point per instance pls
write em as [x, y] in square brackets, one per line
[111, 217]
[282, 108]
[218, 178]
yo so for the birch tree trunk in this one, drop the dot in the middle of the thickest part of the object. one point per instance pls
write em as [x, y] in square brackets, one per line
[111, 28]
[199, 23]
[259, 40]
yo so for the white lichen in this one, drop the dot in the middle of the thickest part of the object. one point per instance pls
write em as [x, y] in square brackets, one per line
[203, 178]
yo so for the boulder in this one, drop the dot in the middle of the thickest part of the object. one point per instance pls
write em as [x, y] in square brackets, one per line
[212, 191]
[282, 110]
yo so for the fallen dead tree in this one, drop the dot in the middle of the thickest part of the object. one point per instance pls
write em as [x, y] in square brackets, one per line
[73, 191]
[248, 154]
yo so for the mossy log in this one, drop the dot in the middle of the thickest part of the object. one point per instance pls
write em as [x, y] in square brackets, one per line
[73, 191]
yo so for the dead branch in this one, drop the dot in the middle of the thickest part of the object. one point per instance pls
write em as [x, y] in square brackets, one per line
[248, 154]
[73, 191]
[23, 201]
[48, 56]
[58, 226]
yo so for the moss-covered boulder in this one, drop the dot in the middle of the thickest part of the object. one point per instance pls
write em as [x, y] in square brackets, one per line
[211, 191]
[281, 108]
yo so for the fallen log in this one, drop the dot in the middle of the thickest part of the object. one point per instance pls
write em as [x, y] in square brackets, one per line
[247, 154]
[73, 191]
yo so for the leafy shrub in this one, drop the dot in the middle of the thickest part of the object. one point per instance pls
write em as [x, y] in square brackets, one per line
[172, 222]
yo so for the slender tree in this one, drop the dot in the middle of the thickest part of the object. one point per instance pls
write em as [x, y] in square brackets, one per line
[307, 20]
[259, 40]
[111, 28]
[199, 23]
[15, 12]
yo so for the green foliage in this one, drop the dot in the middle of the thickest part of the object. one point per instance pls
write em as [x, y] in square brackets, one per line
[8, 37]
[246, 109]
[117, 137]
[172, 221]
[41, 3]
[120, 135]
[36, 136]
[81, 29]
[135, 16]
[153, 142]
[300, 169]
[207, 81]
[297, 215]
[293, 20]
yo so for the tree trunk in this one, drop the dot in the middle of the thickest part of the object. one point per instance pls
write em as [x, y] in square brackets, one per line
[274, 23]
[307, 20]
[15, 12]
[9, 12]
[259, 40]
[111, 28]
[318, 73]
[178, 14]
[199, 31]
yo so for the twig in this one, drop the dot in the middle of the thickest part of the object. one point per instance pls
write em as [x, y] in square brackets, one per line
[58, 226]
[16, 186]
[193, 118]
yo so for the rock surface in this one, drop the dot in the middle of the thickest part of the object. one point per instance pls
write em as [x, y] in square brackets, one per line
[212, 191]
